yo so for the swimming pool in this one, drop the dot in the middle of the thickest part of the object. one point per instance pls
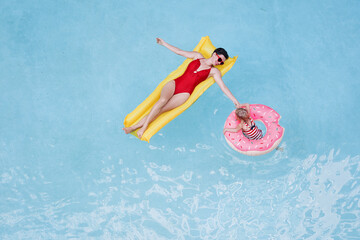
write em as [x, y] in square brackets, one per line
[70, 71]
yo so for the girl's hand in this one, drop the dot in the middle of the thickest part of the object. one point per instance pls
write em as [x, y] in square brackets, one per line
[160, 41]
[244, 105]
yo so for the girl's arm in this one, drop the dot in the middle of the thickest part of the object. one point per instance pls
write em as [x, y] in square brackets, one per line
[246, 106]
[187, 54]
[217, 76]
[234, 130]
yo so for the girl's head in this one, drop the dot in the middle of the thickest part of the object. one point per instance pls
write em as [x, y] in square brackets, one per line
[242, 114]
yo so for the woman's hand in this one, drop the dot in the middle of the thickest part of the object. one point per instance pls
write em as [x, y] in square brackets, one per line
[160, 41]
[246, 106]
[187, 54]
[237, 104]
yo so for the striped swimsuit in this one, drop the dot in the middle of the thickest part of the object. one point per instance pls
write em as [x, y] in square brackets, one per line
[254, 133]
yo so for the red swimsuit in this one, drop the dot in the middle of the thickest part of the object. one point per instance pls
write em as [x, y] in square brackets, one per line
[187, 82]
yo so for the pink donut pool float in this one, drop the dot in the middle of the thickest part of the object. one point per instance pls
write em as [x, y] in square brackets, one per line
[271, 139]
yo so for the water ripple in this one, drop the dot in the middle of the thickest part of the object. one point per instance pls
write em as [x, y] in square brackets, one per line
[318, 199]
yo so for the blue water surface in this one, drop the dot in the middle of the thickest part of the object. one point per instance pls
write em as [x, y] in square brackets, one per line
[70, 71]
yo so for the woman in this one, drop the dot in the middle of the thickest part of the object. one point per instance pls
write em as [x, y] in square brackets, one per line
[177, 91]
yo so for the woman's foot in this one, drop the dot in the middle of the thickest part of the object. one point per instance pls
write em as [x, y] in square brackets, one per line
[141, 131]
[128, 130]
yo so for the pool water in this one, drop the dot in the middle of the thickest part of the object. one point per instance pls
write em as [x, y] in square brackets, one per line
[70, 71]
[261, 126]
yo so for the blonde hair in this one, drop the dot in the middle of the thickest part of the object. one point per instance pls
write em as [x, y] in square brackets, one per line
[242, 114]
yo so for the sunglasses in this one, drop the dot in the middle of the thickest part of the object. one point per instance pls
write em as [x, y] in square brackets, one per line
[220, 60]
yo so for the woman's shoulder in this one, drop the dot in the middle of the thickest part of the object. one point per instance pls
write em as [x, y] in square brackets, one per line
[214, 70]
[197, 55]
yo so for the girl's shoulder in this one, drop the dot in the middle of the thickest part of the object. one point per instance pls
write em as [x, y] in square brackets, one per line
[241, 125]
[245, 126]
[251, 120]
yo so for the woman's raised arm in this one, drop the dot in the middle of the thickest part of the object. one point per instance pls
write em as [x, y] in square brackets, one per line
[187, 54]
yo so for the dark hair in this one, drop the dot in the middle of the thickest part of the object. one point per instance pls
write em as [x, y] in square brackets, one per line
[222, 51]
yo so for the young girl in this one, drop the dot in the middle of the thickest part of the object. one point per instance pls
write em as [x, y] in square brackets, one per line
[247, 124]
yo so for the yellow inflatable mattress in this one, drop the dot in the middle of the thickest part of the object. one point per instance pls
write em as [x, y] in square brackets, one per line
[206, 48]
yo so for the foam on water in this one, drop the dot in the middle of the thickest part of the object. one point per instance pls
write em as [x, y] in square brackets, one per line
[317, 199]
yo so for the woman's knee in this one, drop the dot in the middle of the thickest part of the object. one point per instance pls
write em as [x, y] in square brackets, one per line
[163, 101]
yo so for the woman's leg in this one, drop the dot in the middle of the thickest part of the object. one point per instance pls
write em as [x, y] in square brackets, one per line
[130, 129]
[174, 102]
[166, 93]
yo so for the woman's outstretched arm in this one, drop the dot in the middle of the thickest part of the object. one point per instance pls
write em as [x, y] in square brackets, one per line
[217, 76]
[178, 51]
